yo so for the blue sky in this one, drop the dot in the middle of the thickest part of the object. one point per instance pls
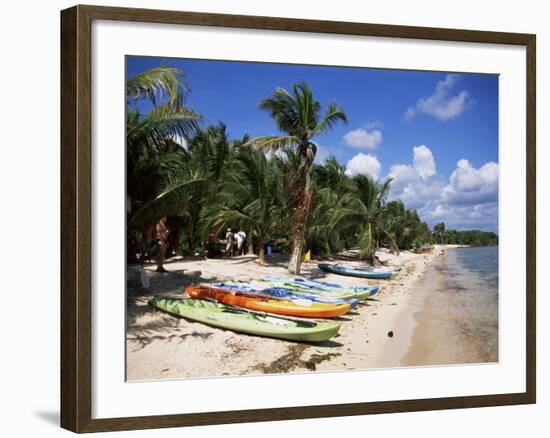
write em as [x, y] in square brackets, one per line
[435, 133]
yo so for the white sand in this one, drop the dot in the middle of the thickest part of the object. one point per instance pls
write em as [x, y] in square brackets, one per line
[160, 346]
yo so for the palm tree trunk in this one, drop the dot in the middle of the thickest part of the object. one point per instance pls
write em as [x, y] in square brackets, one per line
[261, 250]
[300, 216]
[370, 255]
[250, 243]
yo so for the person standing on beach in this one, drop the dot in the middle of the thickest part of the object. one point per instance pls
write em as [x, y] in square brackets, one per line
[240, 237]
[230, 240]
[161, 238]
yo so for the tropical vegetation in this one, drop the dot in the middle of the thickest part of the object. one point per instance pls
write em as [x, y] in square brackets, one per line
[181, 168]
[463, 237]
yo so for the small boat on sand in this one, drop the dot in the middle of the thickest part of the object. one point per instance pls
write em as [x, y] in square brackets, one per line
[355, 272]
[225, 317]
[261, 303]
[360, 292]
[286, 294]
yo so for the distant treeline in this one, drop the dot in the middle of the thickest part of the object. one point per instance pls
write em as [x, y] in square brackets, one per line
[464, 237]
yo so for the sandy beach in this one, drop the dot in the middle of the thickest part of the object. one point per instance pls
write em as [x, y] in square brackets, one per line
[394, 328]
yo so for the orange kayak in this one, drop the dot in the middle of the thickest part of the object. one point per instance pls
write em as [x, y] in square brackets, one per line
[263, 303]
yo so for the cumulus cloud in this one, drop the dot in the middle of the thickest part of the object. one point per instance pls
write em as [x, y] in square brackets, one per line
[369, 138]
[468, 198]
[442, 103]
[415, 183]
[469, 185]
[478, 216]
[423, 161]
[363, 164]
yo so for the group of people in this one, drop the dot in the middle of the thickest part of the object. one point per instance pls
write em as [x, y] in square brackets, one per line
[234, 239]
[235, 243]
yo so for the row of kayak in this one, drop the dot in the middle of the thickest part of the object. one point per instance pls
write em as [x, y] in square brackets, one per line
[269, 311]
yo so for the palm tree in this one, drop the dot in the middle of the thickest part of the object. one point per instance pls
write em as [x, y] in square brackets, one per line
[249, 199]
[439, 230]
[156, 159]
[331, 184]
[332, 175]
[298, 115]
[399, 225]
[154, 139]
[361, 213]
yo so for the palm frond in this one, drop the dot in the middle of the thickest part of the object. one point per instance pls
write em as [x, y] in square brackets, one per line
[157, 83]
[273, 143]
[333, 115]
[171, 201]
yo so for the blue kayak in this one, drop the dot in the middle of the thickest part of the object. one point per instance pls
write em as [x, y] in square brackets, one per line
[370, 267]
[304, 283]
[287, 294]
[361, 273]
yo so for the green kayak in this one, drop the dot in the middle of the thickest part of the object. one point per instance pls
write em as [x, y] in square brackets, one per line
[222, 316]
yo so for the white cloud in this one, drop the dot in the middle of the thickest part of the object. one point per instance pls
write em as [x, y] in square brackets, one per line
[402, 174]
[363, 164]
[477, 216]
[368, 138]
[413, 184]
[467, 199]
[469, 185]
[423, 161]
[441, 104]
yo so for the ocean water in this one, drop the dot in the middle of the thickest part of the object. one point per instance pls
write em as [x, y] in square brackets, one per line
[470, 282]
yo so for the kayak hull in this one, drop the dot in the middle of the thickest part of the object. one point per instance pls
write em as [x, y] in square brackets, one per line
[260, 304]
[340, 270]
[285, 293]
[338, 293]
[225, 317]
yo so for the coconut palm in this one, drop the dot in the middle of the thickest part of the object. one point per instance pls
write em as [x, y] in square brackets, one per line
[332, 175]
[331, 184]
[399, 225]
[154, 140]
[361, 213]
[211, 154]
[157, 175]
[249, 199]
[298, 115]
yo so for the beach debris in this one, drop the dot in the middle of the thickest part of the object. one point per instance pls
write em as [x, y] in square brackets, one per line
[390, 334]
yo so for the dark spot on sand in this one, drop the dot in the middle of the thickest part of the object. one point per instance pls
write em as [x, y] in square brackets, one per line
[291, 360]
[390, 334]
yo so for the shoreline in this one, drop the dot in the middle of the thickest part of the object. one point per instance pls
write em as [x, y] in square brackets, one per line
[160, 346]
[454, 335]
